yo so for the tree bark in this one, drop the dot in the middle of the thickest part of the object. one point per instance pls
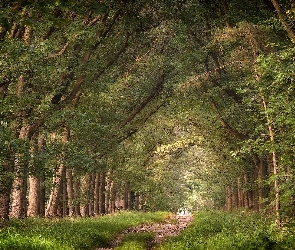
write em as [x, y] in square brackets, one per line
[52, 207]
[283, 19]
[76, 187]
[34, 191]
[96, 194]
[70, 192]
[5, 189]
[85, 199]
[19, 189]
[102, 191]
[274, 163]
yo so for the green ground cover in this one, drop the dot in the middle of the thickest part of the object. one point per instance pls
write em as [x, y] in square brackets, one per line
[220, 230]
[136, 241]
[66, 234]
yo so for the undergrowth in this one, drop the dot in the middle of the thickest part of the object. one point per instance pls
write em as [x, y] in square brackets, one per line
[235, 231]
[71, 233]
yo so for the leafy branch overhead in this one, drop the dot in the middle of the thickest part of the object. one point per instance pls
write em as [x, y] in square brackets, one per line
[146, 105]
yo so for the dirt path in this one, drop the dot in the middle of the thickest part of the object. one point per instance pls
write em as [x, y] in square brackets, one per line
[161, 230]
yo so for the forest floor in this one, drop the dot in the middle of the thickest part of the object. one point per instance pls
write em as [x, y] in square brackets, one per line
[169, 228]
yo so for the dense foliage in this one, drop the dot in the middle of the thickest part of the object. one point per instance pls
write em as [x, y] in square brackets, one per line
[149, 105]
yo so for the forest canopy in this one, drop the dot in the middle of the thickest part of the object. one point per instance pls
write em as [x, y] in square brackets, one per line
[146, 105]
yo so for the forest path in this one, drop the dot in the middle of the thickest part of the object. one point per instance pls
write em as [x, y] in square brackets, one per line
[170, 227]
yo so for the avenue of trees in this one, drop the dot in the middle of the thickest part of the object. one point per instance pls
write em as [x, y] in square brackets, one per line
[148, 105]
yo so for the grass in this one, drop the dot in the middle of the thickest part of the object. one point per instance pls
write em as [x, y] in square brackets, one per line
[136, 241]
[223, 231]
[68, 234]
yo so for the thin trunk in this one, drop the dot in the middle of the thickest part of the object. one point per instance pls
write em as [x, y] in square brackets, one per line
[64, 202]
[228, 199]
[42, 197]
[125, 206]
[91, 194]
[274, 162]
[102, 190]
[240, 193]
[96, 194]
[85, 190]
[283, 19]
[246, 192]
[76, 187]
[70, 192]
[234, 191]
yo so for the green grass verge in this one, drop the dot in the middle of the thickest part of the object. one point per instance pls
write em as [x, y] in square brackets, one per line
[66, 234]
[223, 231]
[136, 241]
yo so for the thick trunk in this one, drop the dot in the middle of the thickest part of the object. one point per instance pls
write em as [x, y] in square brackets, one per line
[34, 193]
[5, 189]
[19, 188]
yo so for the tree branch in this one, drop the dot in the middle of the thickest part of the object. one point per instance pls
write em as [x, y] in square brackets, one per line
[155, 91]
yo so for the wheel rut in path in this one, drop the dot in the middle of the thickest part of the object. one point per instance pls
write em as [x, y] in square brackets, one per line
[161, 231]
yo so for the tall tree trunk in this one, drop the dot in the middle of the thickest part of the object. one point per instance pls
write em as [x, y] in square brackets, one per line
[34, 192]
[228, 199]
[262, 192]
[76, 187]
[96, 194]
[34, 179]
[246, 192]
[102, 191]
[85, 199]
[53, 203]
[42, 197]
[274, 164]
[64, 202]
[283, 19]
[240, 193]
[19, 189]
[91, 194]
[5, 189]
[54, 200]
[70, 192]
